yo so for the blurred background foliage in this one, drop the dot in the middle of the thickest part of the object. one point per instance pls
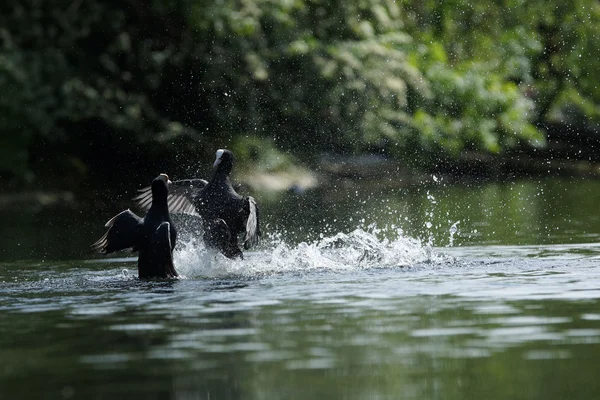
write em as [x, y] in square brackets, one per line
[91, 90]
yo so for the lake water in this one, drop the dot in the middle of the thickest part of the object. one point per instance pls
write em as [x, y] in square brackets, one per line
[487, 291]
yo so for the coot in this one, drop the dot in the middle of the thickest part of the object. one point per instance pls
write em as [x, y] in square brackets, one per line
[225, 214]
[153, 236]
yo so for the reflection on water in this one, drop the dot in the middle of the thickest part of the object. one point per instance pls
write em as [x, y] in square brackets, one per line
[360, 299]
[514, 212]
[451, 326]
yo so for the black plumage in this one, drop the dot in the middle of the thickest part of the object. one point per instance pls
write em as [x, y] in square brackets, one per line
[153, 236]
[225, 214]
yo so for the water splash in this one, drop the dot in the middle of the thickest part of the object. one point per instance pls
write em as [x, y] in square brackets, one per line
[361, 249]
[453, 231]
[429, 218]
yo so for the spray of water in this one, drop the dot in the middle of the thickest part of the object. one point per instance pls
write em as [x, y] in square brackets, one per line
[453, 231]
[367, 246]
[360, 249]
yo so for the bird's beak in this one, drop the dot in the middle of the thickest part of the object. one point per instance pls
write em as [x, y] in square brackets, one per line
[217, 162]
[169, 182]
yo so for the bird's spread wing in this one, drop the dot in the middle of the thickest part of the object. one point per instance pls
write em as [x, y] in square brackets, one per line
[180, 199]
[122, 233]
[252, 225]
[161, 243]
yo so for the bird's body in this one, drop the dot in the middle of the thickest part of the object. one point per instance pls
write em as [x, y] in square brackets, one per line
[153, 236]
[225, 214]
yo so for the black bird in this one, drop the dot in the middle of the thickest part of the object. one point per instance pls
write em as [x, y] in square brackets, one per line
[225, 214]
[153, 236]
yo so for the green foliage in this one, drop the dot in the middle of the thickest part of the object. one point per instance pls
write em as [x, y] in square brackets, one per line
[547, 47]
[261, 153]
[182, 77]
[66, 66]
[471, 108]
[308, 73]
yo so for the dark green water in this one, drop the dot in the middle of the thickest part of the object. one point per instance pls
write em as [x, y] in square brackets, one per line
[354, 294]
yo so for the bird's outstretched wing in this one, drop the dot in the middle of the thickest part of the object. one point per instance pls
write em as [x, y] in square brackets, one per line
[180, 199]
[161, 243]
[252, 225]
[122, 233]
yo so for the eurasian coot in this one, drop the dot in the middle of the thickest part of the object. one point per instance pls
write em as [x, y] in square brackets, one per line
[153, 236]
[225, 214]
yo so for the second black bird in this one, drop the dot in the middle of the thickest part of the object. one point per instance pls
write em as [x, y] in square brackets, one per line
[225, 214]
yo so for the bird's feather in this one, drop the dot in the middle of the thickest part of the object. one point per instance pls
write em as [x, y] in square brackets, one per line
[252, 225]
[122, 233]
[180, 199]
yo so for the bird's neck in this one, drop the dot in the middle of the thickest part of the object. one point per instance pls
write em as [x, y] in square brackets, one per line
[159, 202]
[221, 175]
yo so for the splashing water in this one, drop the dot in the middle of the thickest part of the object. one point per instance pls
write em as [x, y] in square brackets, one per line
[453, 231]
[360, 249]
[430, 217]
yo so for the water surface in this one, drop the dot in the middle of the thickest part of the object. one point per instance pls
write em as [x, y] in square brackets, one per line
[348, 297]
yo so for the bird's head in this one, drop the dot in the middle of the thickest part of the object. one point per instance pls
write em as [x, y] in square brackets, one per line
[160, 184]
[224, 160]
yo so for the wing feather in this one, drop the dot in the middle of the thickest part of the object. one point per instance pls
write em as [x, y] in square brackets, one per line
[122, 233]
[252, 225]
[181, 196]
